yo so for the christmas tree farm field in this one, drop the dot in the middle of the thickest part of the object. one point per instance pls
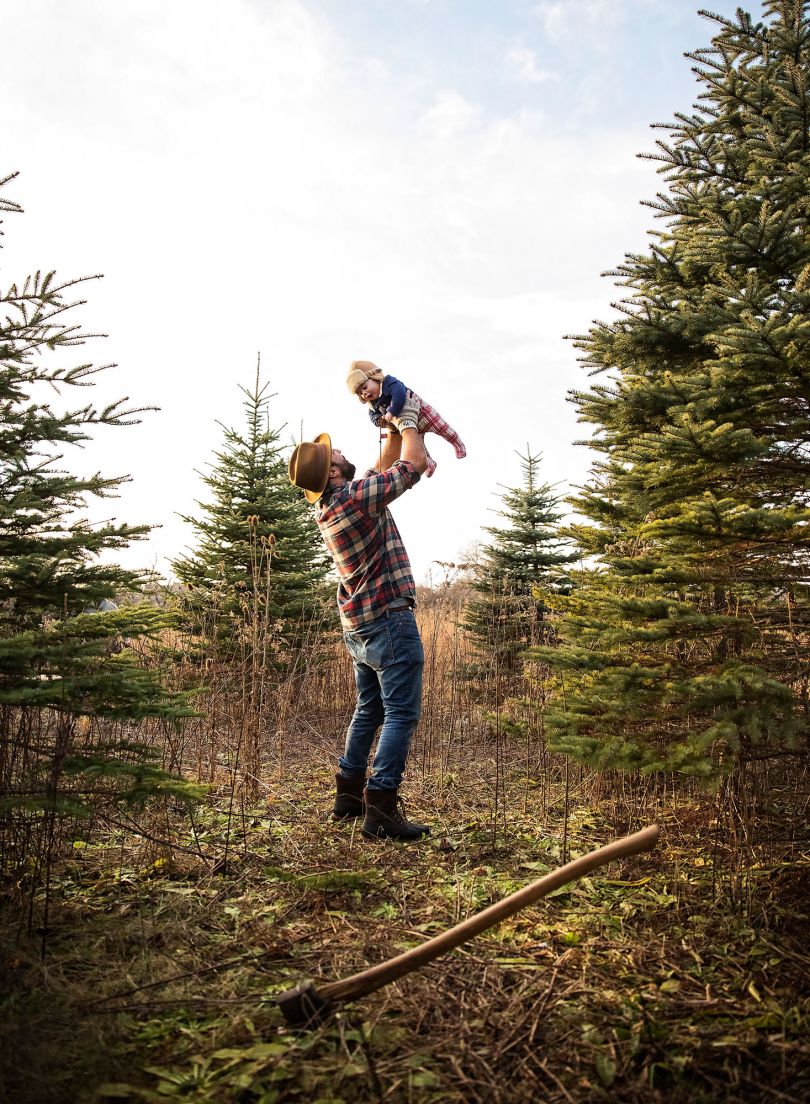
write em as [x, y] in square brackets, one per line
[680, 971]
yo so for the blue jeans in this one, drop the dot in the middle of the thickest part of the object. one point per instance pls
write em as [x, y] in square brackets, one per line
[388, 661]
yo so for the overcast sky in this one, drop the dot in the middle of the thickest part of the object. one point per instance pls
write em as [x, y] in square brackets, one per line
[434, 185]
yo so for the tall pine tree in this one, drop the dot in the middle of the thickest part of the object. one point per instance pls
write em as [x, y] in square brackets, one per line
[686, 648]
[258, 568]
[63, 670]
[519, 568]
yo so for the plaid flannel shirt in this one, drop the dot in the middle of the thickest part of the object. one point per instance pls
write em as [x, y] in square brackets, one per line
[365, 544]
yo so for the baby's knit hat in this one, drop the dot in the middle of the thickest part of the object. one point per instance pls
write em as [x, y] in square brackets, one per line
[360, 371]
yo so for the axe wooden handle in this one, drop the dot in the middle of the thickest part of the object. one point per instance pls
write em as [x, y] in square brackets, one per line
[368, 981]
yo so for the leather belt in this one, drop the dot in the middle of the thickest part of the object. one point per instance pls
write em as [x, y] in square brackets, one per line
[400, 604]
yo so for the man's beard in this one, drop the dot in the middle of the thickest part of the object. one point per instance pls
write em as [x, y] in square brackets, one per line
[347, 470]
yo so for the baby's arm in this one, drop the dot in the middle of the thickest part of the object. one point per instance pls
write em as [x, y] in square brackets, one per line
[399, 394]
[376, 418]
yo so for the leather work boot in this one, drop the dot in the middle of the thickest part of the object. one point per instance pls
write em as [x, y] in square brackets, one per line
[385, 818]
[349, 796]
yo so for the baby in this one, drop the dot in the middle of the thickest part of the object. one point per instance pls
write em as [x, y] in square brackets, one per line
[393, 403]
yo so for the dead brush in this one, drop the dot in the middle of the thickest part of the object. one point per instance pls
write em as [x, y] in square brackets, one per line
[258, 722]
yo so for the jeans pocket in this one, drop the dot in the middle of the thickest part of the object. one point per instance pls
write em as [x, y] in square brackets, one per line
[380, 652]
[354, 646]
[372, 645]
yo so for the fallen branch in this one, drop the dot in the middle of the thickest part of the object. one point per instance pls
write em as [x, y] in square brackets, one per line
[305, 1005]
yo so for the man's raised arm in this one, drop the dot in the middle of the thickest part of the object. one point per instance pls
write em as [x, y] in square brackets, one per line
[390, 451]
[407, 445]
[413, 449]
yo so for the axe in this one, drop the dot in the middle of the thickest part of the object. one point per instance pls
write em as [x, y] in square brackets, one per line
[308, 1006]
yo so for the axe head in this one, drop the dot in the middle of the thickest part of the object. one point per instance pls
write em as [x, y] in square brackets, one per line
[304, 1006]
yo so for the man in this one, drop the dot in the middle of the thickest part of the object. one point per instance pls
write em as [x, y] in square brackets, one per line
[376, 596]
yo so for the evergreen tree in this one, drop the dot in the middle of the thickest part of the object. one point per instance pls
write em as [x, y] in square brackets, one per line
[686, 648]
[258, 570]
[59, 663]
[518, 570]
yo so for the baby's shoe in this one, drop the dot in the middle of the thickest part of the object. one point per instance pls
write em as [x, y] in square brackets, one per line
[430, 469]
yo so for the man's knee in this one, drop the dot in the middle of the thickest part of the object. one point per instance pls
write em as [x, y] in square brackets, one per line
[369, 712]
[404, 713]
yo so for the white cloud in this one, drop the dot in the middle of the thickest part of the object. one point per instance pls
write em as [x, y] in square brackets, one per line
[376, 68]
[449, 117]
[523, 64]
[566, 21]
[562, 19]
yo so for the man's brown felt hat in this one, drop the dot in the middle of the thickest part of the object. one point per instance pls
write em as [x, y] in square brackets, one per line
[309, 466]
